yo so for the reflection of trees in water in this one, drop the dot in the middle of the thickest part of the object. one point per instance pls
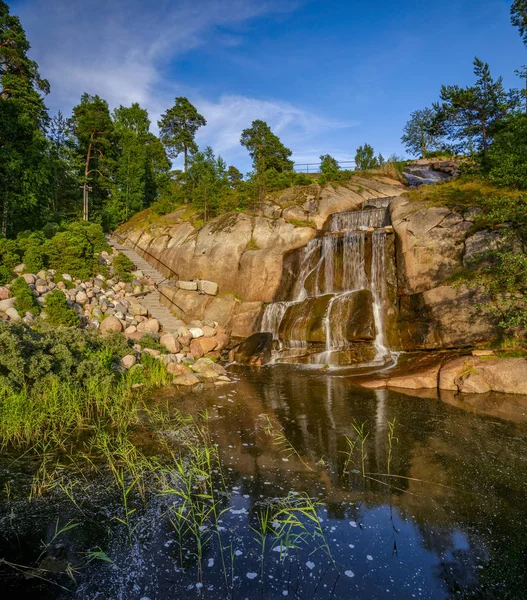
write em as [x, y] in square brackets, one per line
[477, 460]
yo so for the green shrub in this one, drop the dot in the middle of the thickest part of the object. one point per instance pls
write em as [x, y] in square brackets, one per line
[149, 341]
[506, 160]
[74, 251]
[123, 266]
[33, 259]
[6, 275]
[329, 167]
[58, 311]
[25, 300]
[9, 255]
[302, 179]
[275, 181]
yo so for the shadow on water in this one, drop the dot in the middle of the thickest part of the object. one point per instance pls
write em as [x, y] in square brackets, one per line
[419, 498]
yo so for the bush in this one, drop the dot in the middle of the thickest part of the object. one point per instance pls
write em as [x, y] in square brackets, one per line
[25, 300]
[506, 160]
[122, 267]
[58, 311]
[302, 179]
[275, 181]
[33, 259]
[9, 255]
[6, 275]
[74, 251]
[329, 167]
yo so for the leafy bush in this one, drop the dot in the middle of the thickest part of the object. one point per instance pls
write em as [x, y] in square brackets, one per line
[25, 300]
[74, 250]
[29, 358]
[9, 255]
[302, 179]
[149, 341]
[58, 311]
[329, 167]
[6, 275]
[33, 259]
[275, 181]
[506, 160]
[123, 266]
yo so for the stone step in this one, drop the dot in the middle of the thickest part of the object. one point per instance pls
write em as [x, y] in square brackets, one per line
[152, 300]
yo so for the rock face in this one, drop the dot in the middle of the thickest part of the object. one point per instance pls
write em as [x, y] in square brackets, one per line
[478, 375]
[244, 254]
[432, 243]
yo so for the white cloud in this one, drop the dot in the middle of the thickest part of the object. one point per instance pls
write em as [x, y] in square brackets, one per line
[123, 50]
[231, 114]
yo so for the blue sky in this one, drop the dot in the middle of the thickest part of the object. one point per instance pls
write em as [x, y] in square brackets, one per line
[327, 75]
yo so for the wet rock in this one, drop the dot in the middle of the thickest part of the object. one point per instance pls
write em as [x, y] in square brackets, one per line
[186, 379]
[255, 350]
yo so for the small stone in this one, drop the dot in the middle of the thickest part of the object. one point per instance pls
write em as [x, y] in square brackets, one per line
[6, 304]
[208, 331]
[208, 287]
[131, 329]
[177, 369]
[128, 361]
[80, 298]
[196, 332]
[191, 286]
[4, 293]
[111, 323]
[20, 268]
[12, 313]
[29, 278]
[152, 352]
[170, 342]
[482, 352]
[186, 379]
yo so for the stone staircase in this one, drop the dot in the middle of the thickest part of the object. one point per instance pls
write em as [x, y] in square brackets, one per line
[152, 300]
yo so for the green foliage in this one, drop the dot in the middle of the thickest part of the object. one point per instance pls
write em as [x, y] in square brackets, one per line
[519, 18]
[6, 275]
[329, 167]
[276, 180]
[25, 300]
[422, 133]
[58, 311]
[271, 159]
[178, 127]
[302, 179]
[506, 161]
[74, 251]
[505, 282]
[150, 341]
[365, 158]
[122, 267]
[470, 115]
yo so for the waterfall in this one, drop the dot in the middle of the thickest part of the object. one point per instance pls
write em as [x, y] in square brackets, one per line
[378, 283]
[351, 259]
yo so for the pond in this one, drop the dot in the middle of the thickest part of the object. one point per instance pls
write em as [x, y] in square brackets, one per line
[322, 490]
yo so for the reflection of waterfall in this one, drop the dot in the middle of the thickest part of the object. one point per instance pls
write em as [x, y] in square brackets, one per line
[341, 280]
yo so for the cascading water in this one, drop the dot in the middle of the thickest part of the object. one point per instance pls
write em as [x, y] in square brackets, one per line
[335, 314]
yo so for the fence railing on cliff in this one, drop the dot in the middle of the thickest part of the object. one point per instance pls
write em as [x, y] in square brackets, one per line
[173, 276]
[345, 165]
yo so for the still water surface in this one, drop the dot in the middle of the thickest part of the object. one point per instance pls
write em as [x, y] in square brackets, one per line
[431, 505]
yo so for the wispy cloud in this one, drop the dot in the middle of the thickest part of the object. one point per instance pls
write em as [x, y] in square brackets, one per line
[126, 50]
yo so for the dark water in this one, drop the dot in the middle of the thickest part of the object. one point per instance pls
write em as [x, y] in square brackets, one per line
[450, 521]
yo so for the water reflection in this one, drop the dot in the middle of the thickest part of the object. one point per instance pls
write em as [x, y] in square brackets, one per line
[434, 507]
[456, 509]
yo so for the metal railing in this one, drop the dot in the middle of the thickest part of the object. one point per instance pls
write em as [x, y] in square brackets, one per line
[345, 165]
[141, 251]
